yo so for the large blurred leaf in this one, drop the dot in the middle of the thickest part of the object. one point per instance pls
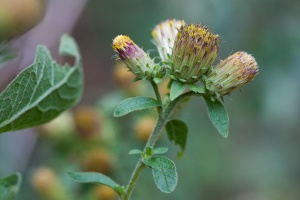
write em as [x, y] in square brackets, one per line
[93, 177]
[6, 53]
[43, 90]
[9, 187]
[164, 173]
[218, 116]
[133, 104]
[177, 131]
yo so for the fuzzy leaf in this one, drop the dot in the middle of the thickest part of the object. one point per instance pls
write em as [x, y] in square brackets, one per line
[133, 104]
[177, 131]
[159, 150]
[135, 151]
[9, 186]
[93, 177]
[197, 89]
[164, 173]
[43, 90]
[218, 116]
[177, 89]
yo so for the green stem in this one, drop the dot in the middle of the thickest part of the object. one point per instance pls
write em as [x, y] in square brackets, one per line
[158, 97]
[152, 140]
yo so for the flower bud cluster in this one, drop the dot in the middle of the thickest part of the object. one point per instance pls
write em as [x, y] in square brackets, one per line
[190, 50]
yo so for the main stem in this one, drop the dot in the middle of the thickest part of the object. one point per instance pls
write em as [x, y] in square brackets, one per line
[162, 119]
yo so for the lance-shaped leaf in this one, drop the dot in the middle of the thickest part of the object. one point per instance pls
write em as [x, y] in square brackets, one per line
[9, 186]
[43, 90]
[177, 89]
[177, 131]
[98, 178]
[6, 53]
[164, 173]
[218, 116]
[133, 104]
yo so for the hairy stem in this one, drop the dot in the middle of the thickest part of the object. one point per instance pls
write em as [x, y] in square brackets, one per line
[163, 117]
[158, 98]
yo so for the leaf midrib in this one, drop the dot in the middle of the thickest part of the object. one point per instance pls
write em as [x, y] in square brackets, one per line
[35, 103]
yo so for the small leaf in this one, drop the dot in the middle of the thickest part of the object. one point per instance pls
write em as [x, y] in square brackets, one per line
[93, 177]
[157, 80]
[134, 104]
[198, 89]
[42, 91]
[9, 186]
[135, 151]
[218, 116]
[177, 131]
[159, 150]
[164, 173]
[6, 53]
[176, 89]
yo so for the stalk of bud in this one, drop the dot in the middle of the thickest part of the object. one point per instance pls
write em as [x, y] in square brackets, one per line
[164, 35]
[232, 73]
[138, 62]
[194, 51]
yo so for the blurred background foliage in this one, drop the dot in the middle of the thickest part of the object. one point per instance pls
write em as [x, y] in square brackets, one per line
[259, 160]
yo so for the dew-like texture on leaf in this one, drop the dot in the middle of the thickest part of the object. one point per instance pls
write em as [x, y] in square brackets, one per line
[177, 131]
[9, 186]
[164, 173]
[218, 116]
[134, 104]
[42, 91]
[93, 177]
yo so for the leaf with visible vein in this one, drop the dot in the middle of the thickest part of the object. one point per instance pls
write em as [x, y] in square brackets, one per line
[218, 116]
[43, 90]
[177, 131]
[134, 104]
[164, 173]
[93, 177]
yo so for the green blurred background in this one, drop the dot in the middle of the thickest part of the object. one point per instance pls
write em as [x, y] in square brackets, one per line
[261, 158]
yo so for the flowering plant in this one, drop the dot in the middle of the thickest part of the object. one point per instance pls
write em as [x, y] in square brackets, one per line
[187, 52]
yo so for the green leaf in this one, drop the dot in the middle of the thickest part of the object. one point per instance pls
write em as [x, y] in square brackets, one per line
[9, 186]
[218, 116]
[157, 80]
[93, 177]
[6, 53]
[135, 151]
[164, 173]
[197, 89]
[159, 150]
[134, 104]
[177, 131]
[176, 89]
[43, 90]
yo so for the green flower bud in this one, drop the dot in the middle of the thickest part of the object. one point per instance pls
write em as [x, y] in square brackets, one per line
[194, 51]
[164, 35]
[232, 73]
[138, 62]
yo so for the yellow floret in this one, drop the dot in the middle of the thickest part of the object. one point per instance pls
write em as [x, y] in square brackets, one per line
[121, 42]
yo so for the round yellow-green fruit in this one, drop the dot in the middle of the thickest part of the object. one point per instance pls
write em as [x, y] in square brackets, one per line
[19, 16]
